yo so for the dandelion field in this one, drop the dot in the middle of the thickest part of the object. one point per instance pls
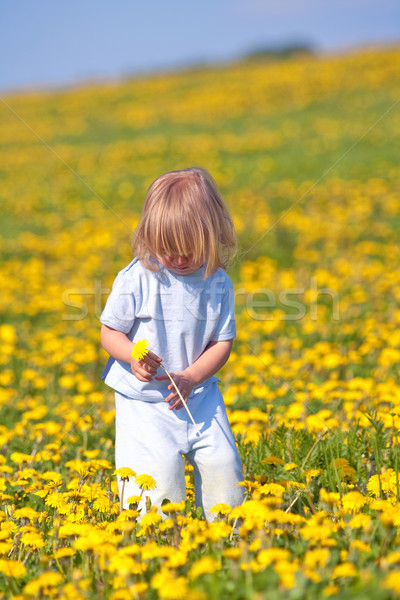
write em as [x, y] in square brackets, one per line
[305, 153]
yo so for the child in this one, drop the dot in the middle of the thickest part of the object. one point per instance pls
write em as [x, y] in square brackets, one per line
[175, 295]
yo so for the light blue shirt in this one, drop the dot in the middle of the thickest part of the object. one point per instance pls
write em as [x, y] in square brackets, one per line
[178, 314]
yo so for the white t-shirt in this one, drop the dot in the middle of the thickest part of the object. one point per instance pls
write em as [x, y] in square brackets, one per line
[178, 314]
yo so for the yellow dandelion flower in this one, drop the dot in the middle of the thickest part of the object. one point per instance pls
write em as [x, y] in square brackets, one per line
[249, 485]
[124, 473]
[221, 509]
[100, 463]
[310, 473]
[273, 460]
[332, 498]
[251, 565]
[27, 473]
[316, 533]
[152, 550]
[390, 517]
[346, 569]
[204, 566]
[217, 530]
[145, 482]
[98, 542]
[233, 553]
[331, 590]
[26, 513]
[8, 333]
[290, 466]
[140, 349]
[45, 581]
[273, 489]
[353, 501]
[148, 521]
[315, 578]
[359, 545]
[5, 547]
[138, 588]
[64, 552]
[7, 529]
[178, 559]
[128, 514]
[6, 469]
[286, 571]
[344, 469]
[55, 500]
[101, 504]
[20, 457]
[316, 558]
[85, 471]
[33, 540]
[170, 587]
[132, 550]
[72, 529]
[91, 453]
[392, 582]
[296, 485]
[385, 483]
[393, 558]
[124, 565]
[270, 555]
[173, 507]
[53, 478]
[12, 568]
[75, 465]
[166, 524]
[134, 499]
[19, 482]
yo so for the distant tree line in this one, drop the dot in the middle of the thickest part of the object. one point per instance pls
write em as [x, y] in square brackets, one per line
[281, 51]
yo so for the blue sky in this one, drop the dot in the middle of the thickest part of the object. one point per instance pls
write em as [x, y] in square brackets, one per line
[46, 43]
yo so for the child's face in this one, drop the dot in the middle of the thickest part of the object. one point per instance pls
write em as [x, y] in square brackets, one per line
[180, 265]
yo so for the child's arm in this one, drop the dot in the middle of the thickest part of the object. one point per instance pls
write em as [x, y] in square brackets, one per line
[119, 346]
[213, 358]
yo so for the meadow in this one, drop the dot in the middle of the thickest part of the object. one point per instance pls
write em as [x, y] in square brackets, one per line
[305, 152]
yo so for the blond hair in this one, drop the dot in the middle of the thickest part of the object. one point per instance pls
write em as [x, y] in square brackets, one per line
[184, 214]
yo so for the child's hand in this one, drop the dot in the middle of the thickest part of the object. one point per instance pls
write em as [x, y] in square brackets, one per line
[184, 384]
[145, 368]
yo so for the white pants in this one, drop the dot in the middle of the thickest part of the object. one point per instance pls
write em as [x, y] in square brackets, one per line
[151, 439]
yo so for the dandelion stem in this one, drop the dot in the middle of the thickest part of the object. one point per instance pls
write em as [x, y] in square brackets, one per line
[122, 496]
[311, 503]
[180, 396]
[246, 496]
[292, 502]
[139, 350]
[309, 452]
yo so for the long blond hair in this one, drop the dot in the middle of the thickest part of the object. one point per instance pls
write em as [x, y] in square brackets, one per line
[184, 214]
